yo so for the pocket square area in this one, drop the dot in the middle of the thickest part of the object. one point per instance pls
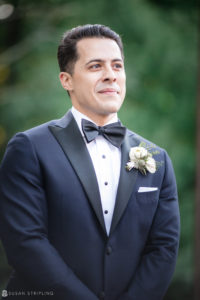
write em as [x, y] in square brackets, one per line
[144, 189]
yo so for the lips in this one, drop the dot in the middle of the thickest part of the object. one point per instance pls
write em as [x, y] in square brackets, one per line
[108, 91]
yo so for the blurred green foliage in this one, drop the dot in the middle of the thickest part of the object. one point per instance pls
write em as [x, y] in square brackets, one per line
[160, 41]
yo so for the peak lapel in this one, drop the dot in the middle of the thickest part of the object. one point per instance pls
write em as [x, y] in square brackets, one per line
[126, 181]
[74, 147]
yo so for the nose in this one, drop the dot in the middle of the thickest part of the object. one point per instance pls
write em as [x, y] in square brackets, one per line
[109, 75]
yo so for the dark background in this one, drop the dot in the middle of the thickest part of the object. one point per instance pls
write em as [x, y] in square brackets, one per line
[161, 45]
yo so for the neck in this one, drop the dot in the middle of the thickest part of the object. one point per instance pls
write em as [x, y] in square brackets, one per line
[99, 120]
[102, 120]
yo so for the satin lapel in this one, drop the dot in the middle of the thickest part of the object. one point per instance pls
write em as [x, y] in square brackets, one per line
[126, 181]
[75, 149]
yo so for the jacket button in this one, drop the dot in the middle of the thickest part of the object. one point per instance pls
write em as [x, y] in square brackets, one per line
[108, 250]
[102, 295]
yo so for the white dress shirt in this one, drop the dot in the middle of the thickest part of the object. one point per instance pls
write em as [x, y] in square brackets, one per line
[106, 160]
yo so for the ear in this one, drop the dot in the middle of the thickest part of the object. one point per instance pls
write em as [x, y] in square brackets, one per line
[66, 81]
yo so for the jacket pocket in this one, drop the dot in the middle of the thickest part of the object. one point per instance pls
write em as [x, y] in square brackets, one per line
[148, 197]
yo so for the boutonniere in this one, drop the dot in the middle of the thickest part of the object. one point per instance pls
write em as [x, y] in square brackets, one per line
[142, 159]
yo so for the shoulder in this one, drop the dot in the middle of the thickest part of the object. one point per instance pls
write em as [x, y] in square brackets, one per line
[139, 140]
[29, 141]
[40, 129]
[40, 133]
[159, 154]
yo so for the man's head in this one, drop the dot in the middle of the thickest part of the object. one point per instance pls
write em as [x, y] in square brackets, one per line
[67, 50]
[92, 71]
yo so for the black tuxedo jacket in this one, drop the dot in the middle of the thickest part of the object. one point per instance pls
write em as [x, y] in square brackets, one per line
[52, 225]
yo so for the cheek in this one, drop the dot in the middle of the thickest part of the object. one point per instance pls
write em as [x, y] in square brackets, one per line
[122, 83]
[88, 86]
[122, 79]
[81, 88]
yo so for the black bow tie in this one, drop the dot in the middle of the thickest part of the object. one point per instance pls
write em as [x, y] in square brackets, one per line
[114, 132]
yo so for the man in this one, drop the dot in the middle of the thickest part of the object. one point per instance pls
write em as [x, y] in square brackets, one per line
[80, 218]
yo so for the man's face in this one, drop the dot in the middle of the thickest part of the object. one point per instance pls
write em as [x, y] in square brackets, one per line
[97, 85]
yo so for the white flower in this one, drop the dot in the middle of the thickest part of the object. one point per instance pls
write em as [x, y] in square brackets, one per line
[142, 160]
[151, 165]
[130, 165]
[137, 152]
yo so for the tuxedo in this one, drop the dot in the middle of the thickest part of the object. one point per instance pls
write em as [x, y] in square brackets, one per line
[52, 225]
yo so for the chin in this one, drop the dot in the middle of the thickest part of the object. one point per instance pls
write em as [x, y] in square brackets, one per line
[114, 108]
[108, 112]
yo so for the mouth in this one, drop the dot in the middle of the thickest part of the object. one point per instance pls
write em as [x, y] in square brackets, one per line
[108, 91]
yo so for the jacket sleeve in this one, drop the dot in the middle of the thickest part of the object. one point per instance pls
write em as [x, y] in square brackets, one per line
[24, 225]
[158, 260]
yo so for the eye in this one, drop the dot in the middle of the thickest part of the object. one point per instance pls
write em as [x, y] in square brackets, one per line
[118, 66]
[95, 66]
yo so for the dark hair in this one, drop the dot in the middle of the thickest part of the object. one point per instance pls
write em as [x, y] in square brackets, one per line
[67, 52]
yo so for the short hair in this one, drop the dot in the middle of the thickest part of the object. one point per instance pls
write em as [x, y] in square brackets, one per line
[67, 51]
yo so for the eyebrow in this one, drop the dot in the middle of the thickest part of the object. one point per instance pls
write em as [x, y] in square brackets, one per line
[101, 60]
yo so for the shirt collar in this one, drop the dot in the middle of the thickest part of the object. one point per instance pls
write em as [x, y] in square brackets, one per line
[78, 116]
